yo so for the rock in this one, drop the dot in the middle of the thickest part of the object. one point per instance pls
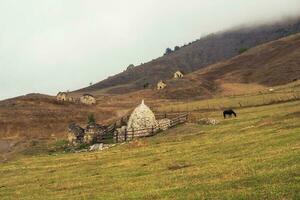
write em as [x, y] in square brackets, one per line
[96, 147]
[208, 121]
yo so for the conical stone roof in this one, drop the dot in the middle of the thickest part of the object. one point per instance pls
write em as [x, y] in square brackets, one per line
[141, 118]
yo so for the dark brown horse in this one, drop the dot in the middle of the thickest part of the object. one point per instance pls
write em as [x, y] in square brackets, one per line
[229, 113]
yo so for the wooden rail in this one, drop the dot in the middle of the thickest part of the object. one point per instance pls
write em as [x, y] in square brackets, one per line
[113, 136]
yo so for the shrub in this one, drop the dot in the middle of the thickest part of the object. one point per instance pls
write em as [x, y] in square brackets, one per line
[168, 51]
[243, 50]
[131, 66]
[91, 119]
[146, 85]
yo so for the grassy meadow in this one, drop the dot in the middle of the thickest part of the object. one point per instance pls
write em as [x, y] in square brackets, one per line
[254, 156]
[237, 101]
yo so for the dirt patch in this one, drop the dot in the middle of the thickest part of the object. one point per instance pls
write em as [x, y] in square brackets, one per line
[177, 166]
[294, 114]
[5, 146]
[137, 144]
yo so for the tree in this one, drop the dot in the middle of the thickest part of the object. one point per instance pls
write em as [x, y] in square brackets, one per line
[131, 66]
[168, 51]
[176, 48]
[91, 119]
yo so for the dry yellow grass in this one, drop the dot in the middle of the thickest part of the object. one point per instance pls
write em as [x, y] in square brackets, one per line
[254, 156]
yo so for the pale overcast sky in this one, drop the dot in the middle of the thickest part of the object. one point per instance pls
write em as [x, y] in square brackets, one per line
[48, 46]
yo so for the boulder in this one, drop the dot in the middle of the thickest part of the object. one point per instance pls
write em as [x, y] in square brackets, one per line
[96, 147]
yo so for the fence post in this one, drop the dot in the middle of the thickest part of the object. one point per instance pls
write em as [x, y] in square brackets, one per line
[152, 130]
[115, 126]
[125, 135]
[117, 137]
[165, 115]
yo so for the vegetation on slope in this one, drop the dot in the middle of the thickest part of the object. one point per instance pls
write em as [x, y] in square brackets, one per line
[271, 64]
[201, 53]
[254, 156]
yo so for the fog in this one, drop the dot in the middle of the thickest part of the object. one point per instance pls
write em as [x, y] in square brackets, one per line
[52, 45]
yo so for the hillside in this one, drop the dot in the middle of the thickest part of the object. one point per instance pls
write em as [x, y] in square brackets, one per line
[254, 156]
[40, 117]
[199, 54]
[271, 64]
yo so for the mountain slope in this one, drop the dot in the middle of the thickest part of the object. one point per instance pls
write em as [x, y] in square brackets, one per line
[271, 64]
[201, 53]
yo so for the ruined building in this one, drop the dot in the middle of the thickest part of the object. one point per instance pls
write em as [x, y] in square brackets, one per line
[88, 99]
[62, 96]
[178, 74]
[161, 85]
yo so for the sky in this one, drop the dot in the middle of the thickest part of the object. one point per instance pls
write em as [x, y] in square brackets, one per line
[47, 46]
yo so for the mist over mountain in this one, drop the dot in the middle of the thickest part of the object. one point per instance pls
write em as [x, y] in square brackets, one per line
[199, 54]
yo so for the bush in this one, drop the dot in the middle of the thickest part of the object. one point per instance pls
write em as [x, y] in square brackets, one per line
[146, 85]
[168, 51]
[242, 50]
[91, 119]
[131, 66]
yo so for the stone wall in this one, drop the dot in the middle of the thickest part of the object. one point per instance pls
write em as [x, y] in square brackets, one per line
[88, 100]
[161, 85]
[178, 74]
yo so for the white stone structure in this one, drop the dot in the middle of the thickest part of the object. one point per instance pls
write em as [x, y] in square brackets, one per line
[142, 121]
[178, 75]
[88, 99]
[62, 96]
[164, 124]
[161, 85]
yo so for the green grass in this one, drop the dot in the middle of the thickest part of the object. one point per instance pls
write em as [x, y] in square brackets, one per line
[254, 156]
[239, 101]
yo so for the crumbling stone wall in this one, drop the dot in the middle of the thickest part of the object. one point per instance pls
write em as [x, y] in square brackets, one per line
[87, 99]
[178, 74]
[62, 96]
[161, 85]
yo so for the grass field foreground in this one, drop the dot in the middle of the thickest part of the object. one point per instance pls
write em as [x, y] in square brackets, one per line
[254, 156]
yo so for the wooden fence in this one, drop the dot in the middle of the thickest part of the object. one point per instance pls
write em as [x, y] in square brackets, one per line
[113, 136]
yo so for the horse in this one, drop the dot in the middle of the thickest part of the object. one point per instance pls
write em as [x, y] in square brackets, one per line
[229, 112]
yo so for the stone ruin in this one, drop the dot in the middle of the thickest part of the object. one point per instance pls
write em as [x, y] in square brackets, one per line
[86, 99]
[142, 122]
[90, 135]
[62, 96]
[178, 74]
[161, 85]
